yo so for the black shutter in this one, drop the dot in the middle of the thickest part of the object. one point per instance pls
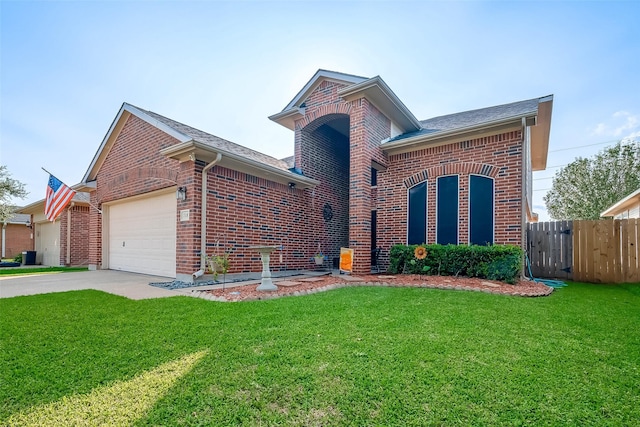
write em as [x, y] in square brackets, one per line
[417, 223]
[447, 228]
[480, 210]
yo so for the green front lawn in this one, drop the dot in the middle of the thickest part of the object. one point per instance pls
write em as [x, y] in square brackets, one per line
[355, 356]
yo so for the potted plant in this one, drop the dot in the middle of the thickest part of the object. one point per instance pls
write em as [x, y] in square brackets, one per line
[218, 261]
[319, 257]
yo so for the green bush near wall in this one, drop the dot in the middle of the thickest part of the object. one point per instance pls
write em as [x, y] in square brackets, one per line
[497, 262]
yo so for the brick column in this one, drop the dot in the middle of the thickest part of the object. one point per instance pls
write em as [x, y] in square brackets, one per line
[368, 128]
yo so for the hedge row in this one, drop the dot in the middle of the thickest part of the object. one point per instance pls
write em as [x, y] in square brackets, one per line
[498, 262]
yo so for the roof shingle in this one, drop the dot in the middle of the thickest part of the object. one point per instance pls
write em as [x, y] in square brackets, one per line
[219, 143]
[467, 119]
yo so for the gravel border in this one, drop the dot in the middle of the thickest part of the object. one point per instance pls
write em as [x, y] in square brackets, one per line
[544, 291]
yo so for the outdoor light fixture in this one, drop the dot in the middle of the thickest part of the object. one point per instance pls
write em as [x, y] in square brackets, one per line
[181, 193]
[292, 185]
[28, 224]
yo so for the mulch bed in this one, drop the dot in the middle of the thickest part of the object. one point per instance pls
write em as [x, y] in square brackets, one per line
[297, 287]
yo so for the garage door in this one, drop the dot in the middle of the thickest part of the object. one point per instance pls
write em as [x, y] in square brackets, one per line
[48, 243]
[142, 236]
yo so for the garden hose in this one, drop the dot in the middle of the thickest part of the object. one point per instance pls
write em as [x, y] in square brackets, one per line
[549, 282]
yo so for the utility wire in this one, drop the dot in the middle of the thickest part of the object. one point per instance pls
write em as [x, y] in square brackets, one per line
[588, 145]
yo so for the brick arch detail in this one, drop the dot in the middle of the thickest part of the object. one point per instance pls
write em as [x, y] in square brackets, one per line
[321, 115]
[460, 168]
[137, 174]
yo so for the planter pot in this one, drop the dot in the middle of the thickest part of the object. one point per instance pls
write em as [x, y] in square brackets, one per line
[216, 267]
[319, 260]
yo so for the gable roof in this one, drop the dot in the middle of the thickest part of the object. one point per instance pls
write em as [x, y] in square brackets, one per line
[198, 144]
[535, 112]
[320, 76]
[374, 89]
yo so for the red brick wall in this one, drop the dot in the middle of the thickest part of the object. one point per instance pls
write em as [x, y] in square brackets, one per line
[498, 156]
[188, 232]
[133, 166]
[325, 157]
[245, 211]
[315, 156]
[369, 128]
[18, 238]
[95, 234]
[79, 238]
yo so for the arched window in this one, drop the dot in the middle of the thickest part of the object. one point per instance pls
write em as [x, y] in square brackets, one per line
[417, 214]
[481, 210]
[447, 210]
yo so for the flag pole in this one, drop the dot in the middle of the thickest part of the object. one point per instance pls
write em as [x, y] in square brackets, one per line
[89, 203]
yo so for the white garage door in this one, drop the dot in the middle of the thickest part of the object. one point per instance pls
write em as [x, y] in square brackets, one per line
[48, 243]
[142, 236]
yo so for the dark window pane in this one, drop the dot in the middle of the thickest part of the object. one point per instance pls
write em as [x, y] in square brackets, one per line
[480, 210]
[417, 227]
[447, 210]
[374, 177]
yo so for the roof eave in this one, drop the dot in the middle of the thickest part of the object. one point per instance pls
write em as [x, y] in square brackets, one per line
[465, 133]
[288, 118]
[191, 150]
[381, 95]
[627, 202]
[540, 134]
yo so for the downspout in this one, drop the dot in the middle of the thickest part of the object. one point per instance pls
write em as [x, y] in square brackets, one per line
[203, 218]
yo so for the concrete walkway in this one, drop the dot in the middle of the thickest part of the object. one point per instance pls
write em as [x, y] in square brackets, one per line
[130, 285]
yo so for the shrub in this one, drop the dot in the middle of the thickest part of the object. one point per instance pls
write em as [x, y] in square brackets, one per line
[18, 258]
[497, 262]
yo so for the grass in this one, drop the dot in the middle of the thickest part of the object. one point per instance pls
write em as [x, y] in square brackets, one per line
[9, 271]
[354, 356]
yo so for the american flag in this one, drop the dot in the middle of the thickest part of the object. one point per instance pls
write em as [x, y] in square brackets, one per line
[58, 197]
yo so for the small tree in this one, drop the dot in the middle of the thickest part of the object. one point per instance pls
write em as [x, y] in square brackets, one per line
[588, 186]
[9, 188]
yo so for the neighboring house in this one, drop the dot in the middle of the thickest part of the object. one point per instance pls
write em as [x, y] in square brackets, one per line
[64, 241]
[17, 235]
[365, 173]
[628, 207]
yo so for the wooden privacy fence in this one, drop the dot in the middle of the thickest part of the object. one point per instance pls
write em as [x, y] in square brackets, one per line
[602, 251]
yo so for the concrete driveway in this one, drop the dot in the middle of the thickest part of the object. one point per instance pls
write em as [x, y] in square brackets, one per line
[130, 285]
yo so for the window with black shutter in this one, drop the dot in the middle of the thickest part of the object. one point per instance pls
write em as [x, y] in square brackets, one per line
[481, 217]
[417, 221]
[447, 210]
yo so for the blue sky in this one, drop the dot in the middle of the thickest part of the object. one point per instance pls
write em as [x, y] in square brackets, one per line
[223, 67]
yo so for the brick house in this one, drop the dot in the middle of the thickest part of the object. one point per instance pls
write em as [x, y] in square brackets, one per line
[17, 235]
[365, 173]
[64, 241]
